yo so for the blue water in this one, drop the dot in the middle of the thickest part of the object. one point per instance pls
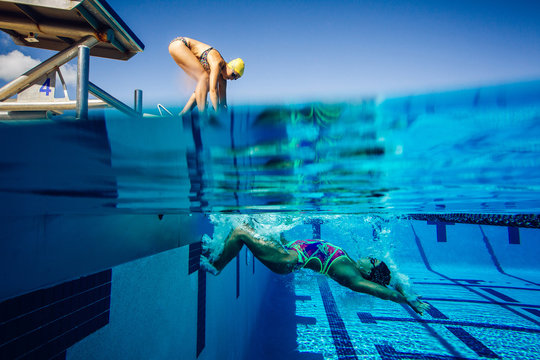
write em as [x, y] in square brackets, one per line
[473, 151]
[484, 304]
[353, 173]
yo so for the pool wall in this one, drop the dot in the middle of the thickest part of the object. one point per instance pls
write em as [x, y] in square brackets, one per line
[46, 250]
[160, 310]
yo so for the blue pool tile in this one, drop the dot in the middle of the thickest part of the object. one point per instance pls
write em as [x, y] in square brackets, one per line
[499, 295]
[481, 285]
[47, 314]
[506, 305]
[238, 276]
[307, 356]
[474, 344]
[24, 304]
[387, 352]
[58, 345]
[342, 340]
[428, 267]
[32, 321]
[458, 323]
[470, 281]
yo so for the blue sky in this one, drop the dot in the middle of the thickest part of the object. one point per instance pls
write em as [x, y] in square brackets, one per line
[325, 50]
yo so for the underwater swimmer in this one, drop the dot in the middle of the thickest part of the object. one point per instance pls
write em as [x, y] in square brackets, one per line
[367, 275]
[206, 66]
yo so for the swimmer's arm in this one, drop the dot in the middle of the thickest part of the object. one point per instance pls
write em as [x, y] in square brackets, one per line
[222, 92]
[346, 274]
[374, 289]
[382, 292]
[213, 89]
[189, 105]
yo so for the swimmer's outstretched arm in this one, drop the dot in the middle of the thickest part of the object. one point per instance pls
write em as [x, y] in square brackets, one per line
[189, 105]
[382, 292]
[346, 274]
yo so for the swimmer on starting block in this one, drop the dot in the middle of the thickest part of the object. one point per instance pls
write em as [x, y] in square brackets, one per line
[205, 64]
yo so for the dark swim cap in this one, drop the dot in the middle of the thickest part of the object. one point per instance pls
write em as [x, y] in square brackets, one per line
[380, 274]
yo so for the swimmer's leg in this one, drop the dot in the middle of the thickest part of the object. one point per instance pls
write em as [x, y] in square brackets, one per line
[232, 247]
[191, 65]
[270, 254]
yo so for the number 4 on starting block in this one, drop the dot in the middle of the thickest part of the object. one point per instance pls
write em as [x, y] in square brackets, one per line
[41, 90]
[46, 87]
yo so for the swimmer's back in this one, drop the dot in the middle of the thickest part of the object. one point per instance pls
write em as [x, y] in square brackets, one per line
[197, 47]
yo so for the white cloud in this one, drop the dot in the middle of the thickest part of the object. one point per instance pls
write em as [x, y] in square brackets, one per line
[15, 64]
[69, 72]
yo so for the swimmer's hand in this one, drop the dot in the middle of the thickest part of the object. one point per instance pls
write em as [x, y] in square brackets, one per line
[417, 305]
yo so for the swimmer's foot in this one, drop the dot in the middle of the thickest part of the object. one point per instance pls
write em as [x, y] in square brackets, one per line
[206, 242]
[207, 265]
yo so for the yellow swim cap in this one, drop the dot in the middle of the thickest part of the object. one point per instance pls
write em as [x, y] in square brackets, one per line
[237, 65]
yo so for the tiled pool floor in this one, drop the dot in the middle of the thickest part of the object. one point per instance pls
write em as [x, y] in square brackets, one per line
[475, 314]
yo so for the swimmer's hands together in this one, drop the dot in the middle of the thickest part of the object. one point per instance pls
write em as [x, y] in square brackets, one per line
[417, 305]
[412, 300]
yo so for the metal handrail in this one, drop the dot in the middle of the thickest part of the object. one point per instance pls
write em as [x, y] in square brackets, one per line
[109, 99]
[160, 107]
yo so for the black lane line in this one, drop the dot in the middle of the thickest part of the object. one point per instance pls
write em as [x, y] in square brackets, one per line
[237, 276]
[201, 311]
[533, 311]
[496, 261]
[491, 302]
[472, 285]
[428, 266]
[472, 343]
[500, 295]
[387, 352]
[451, 349]
[435, 313]
[513, 235]
[342, 341]
[368, 319]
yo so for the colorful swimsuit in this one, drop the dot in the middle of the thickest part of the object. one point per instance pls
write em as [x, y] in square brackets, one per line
[203, 59]
[320, 250]
[182, 39]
